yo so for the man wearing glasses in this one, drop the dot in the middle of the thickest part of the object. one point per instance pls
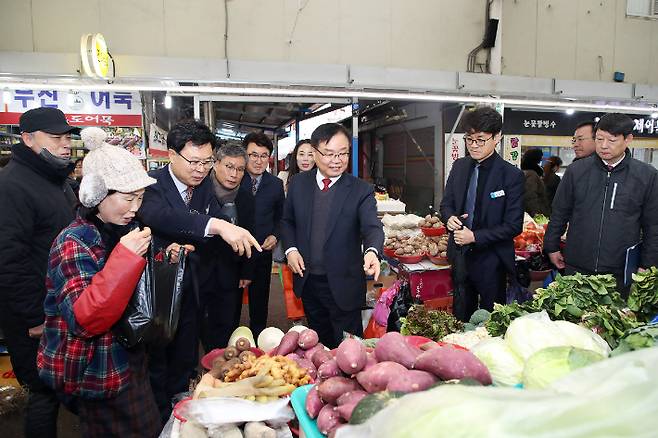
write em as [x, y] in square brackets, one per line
[235, 272]
[332, 237]
[482, 207]
[181, 207]
[583, 140]
[610, 201]
[267, 191]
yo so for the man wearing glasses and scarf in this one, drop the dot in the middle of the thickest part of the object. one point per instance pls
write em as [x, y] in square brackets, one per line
[482, 207]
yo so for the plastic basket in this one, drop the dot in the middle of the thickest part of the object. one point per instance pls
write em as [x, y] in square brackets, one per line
[307, 425]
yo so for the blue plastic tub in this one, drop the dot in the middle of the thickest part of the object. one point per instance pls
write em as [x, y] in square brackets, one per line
[306, 423]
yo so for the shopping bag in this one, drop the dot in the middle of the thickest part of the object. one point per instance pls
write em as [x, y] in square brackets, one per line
[294, 306]
[134, 325]
[374, 330]
[168, 291]
[400, 307]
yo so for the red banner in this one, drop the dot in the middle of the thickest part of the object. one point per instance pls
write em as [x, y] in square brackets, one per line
[126, 120]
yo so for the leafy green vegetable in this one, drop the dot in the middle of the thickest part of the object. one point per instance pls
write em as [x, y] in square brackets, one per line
[540, 219]
[590, 300]
[643, 299]
[547, 365]
[641, 337]
[432, 324]
[479, 316]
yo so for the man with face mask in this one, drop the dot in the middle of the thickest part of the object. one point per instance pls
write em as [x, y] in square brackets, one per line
[36, 204]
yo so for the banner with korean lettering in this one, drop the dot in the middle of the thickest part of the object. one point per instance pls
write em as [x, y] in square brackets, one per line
[82, 108]
[455, 149]
[513, 149]
[157, 141]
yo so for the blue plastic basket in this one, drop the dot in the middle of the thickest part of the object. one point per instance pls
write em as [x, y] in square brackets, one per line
[306, 423]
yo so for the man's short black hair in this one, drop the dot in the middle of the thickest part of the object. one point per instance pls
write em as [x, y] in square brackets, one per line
[260, 139]
[616, 124]
[189, 130]
[482, 119]
[327, 131]
[587, 123]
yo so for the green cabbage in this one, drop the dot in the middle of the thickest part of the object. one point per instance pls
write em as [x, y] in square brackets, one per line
[505, 367]
[548, 365]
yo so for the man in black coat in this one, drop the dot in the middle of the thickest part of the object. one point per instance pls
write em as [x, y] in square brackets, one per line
[268, 194]
[234, 272]
[181, 207]
[482, 207]
[332, 237]
[610, 201]
[36, 203]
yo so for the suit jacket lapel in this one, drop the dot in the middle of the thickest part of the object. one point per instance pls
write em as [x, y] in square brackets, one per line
[308, 198]
[342, 187]
[171, 190]
[462, 181]
[492, 182]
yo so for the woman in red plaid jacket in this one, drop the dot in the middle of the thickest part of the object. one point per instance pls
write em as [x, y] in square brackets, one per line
[95, 264]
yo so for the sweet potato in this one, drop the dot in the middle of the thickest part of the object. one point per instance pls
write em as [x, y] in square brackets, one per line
[308, 339]
[351, 356]
[313, 402]
[308, 366]
[412, 381]
[345, 411]
[293, 356]
[308, 354]
[376, 378]
[351, 397]
[287, 345]
[320, 357]
[449, 363]
[393, 347]
[328, 419]
[299, 351]
[370, 361]
[334, 387]
[328, 369]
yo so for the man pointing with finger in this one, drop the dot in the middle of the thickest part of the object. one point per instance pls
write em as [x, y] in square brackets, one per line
[482, 207]
[332, 237]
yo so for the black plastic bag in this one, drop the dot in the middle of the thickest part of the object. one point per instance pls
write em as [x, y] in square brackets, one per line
[400, 307]
[134, 325]
[168, 298]
[460, 288]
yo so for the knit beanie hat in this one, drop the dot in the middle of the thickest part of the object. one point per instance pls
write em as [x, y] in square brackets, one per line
[107, 167]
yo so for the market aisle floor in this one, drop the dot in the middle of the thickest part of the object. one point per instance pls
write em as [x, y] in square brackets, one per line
[69, 427]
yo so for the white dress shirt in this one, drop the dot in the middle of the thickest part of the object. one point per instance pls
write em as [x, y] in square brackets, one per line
[182, 191]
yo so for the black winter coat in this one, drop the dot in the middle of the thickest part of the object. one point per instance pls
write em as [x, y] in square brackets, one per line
[36, 203]
[607, 213]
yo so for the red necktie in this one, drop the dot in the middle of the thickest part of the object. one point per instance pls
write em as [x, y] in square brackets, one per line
[610, 168]
[326, 183]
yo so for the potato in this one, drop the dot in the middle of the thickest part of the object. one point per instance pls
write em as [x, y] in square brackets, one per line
[412, 381]
[308, 366]
[370, 361]
[308, 354]
[351, 397]
[334, 387]
[313, 402]
[321, 356]
[443, 254]
[428, 217]
[393, 347]
[345, 411]
[328, 369]
[288, 344]
[449, 363]
[308, 339]
[351, 356]
[230, 353]
[376, 378]
[399, 251]
[328, 419]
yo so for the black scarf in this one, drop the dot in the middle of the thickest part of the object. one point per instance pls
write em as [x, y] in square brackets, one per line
[26, 156]
[111, 234]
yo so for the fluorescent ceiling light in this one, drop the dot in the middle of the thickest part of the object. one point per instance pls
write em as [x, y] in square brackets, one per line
[167, 101]
[570, 111]
[335, 93]
[654, 115]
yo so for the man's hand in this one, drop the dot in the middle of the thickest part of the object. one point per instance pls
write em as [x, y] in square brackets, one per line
[557, 259]
[173, 251]
[371, 264]
[464, 236]
[137, 241]
[296, 263]
[455, 223]
[35, 332]
[244, 283]
[240, 239]
[270, 243]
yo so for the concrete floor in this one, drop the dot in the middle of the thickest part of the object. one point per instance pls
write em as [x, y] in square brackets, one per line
[68, 426]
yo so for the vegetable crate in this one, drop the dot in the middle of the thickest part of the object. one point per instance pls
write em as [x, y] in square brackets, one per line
[443, 303]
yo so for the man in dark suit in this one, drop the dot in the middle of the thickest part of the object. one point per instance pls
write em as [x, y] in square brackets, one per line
[235, 272]
[482, 207]
[268, 194]
[181, 207]
[329, 218]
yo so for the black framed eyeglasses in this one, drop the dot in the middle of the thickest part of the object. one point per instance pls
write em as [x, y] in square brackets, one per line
[478, 141]
[336, 156]
[255, 157]
[206, 164]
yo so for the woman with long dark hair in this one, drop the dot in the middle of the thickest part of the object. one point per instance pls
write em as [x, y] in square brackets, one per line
[302, 158]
